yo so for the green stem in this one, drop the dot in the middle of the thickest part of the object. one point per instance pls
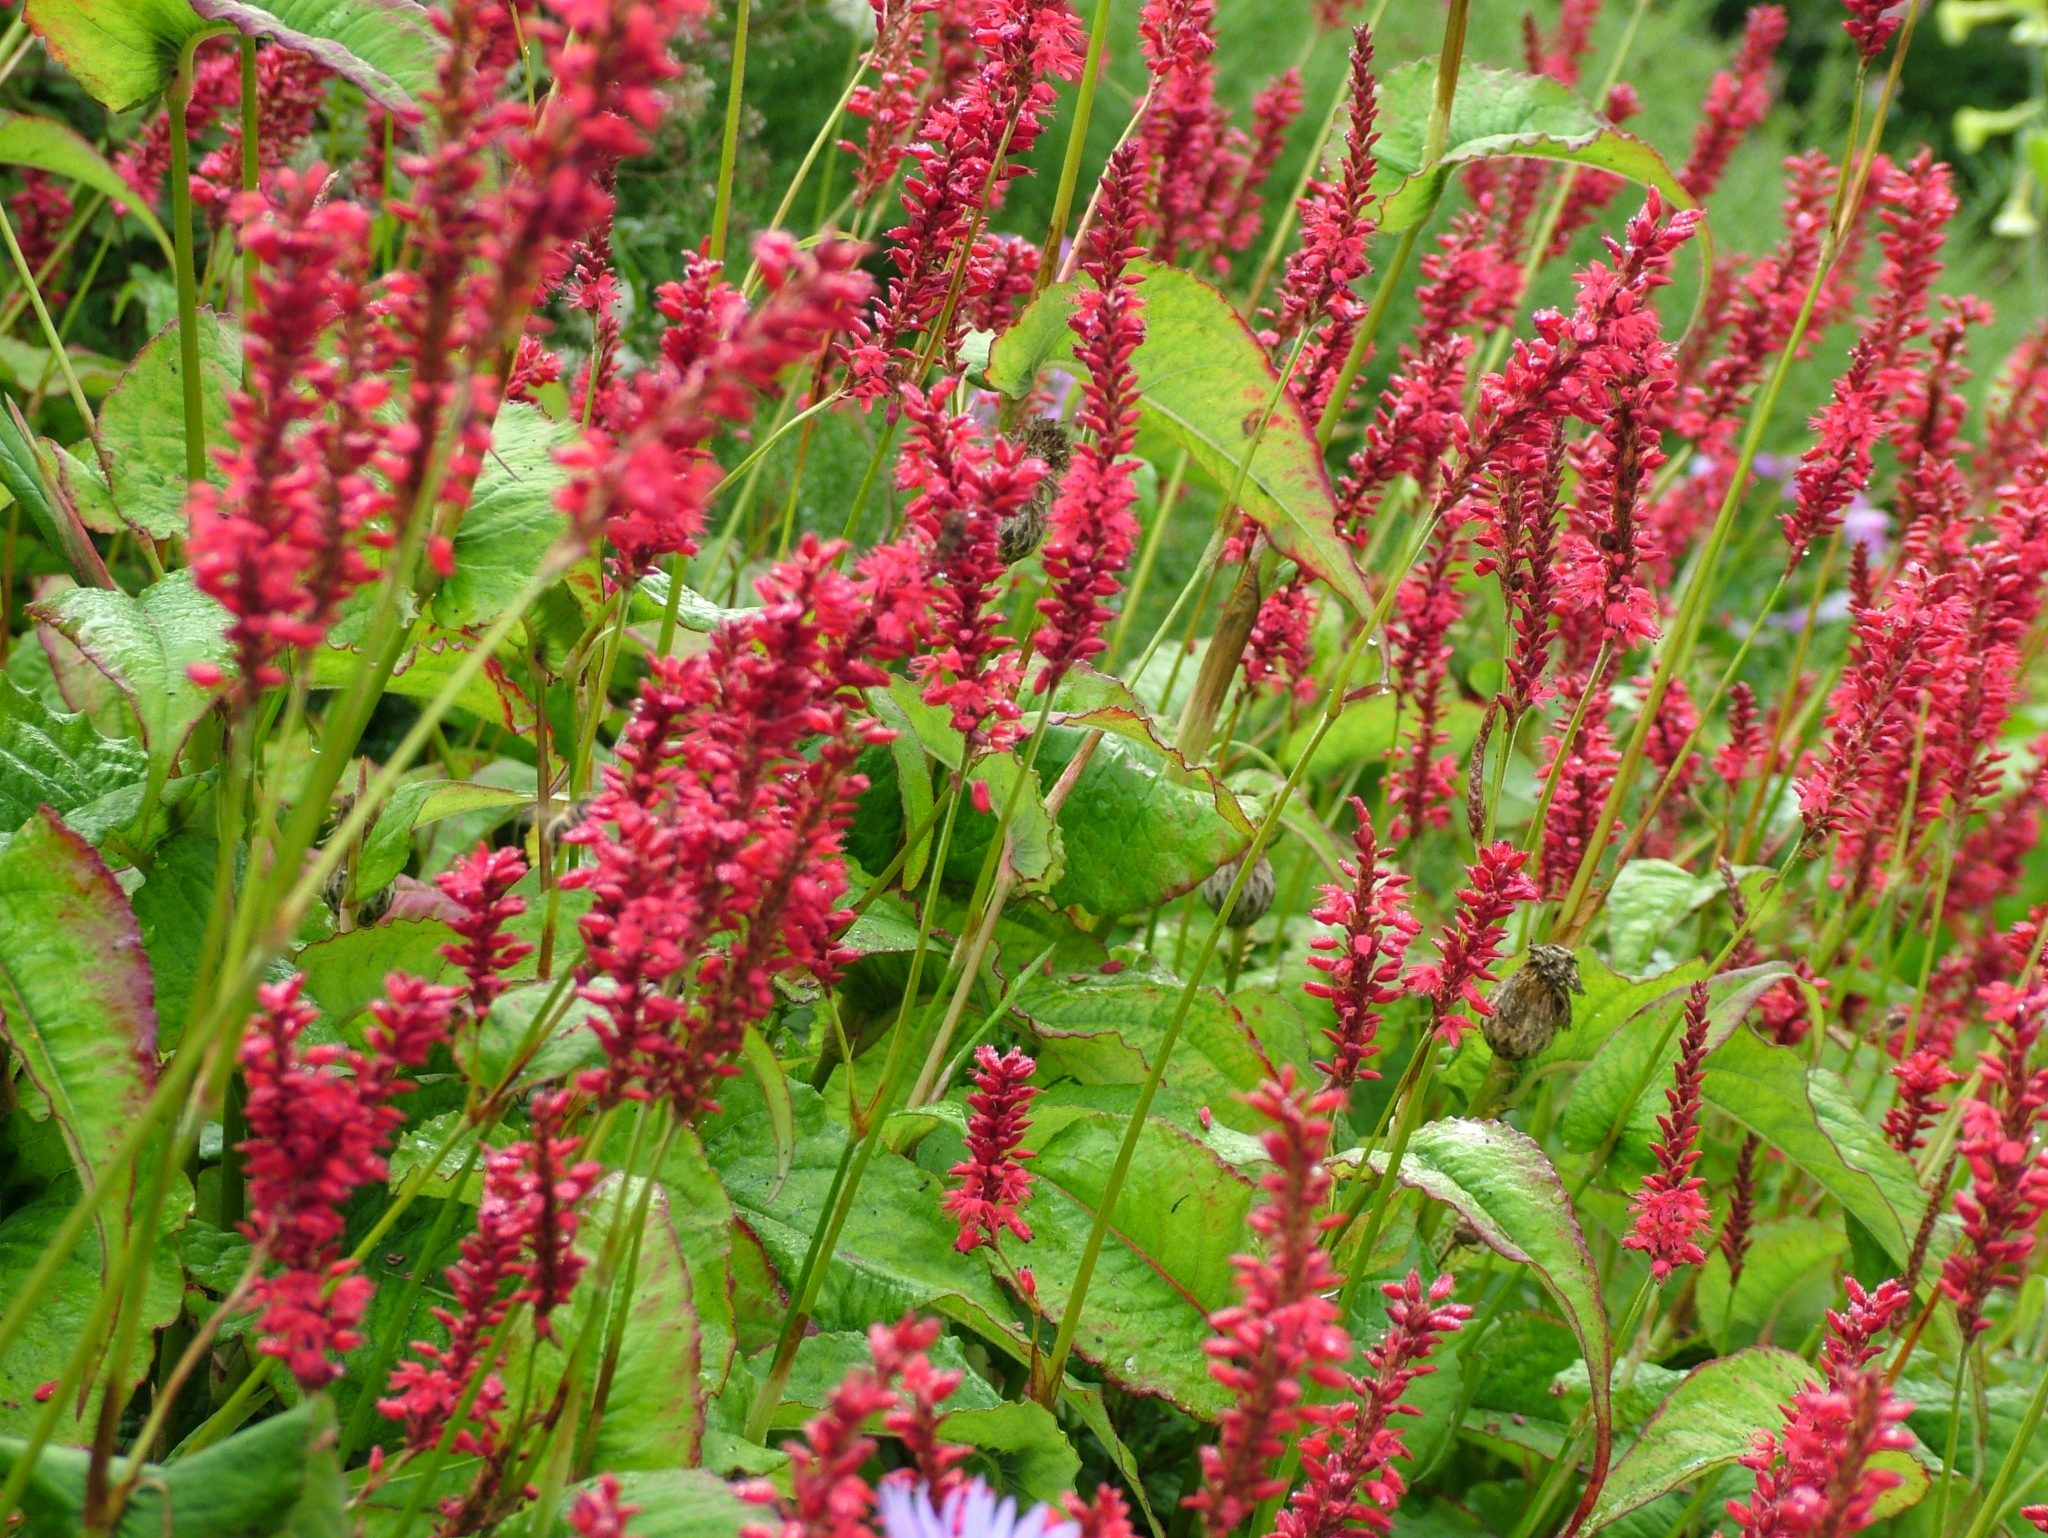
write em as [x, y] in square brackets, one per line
[58, 354]
[179, 94]
[1077, 142]
[729, 146]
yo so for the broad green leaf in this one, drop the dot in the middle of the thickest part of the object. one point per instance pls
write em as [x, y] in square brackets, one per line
[1104, 1029]
[122, 54]
[511, 522]
[429, 662]
[1204, 380]
[386, 48]
[75, 997]
[1707, 1422]
[39, 1354]
[146, 645]
[142, 425]
[1021, 1449]
[1498, 1180]
[1496, 112]
[1165, 1265]
[414, 805]
[824, 1359]
[1033, 844]
[32, 480]
[1768, 1089]
[1627, 1077]
[276, 1479]
[1135, 830]
[1648, 900]
[674, 1503]
[896, 1252]
[80, 479]
[703, 1222]
[569, 1047]
[50, 146]
[913, 783]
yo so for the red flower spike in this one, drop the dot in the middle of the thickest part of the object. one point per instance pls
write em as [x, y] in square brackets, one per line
[1670, 1209]
[1091, 529]
[1816, 1476]
[1363, 958]
[1284, 1335]
[993, 1180]
[2007, 1195]
[1737, 99]
[1870, 26]
[478, 886]
[1350, 1481]
[599, 1513]
[1495, 885]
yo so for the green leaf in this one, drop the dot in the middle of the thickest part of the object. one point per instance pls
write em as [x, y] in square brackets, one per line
[1707, 1422]
[170, 911]
[277, 1479]
[75, 998]
[1101, 1028]
[1023, 1452]
[1033, 844]
[1649, 899]
[1496, 112]
[122, 54]
[59, 761]
[146, 645]
[387, 48]
[896, 1252]
[511, 523]
[50, 146]
[569, 1048]
[32, 480]
[414, 805]
[1639, 1059]
[142, 425]
[1769, 1090]
[703, 1222]
[1787, 1284]
[674, 1503]
[40, 1352]
[1498, 1180]
[1137, 828]
[1204, 380]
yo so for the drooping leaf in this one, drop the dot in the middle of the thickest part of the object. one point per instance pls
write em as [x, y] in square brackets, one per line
[76, 1003]
[142, 425]
[1498, 1180]
[1496, 112]
[1707, 1422]
[50, 146]
[123, 54]
[1204, 380]
[279, 1478]
[387, 48]
[146, 645]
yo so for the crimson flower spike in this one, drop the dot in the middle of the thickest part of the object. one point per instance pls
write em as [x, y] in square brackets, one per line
[1495, 885]
[993, 1180]
[1363, 958]
[1870, 26]
[1352, 1482]
[2003, 1204]
[479, 886]
[1670, 1209]
[1284, 1335]
[1091, 528]
[1737, 99]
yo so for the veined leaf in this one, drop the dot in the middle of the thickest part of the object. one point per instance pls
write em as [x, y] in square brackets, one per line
[122, 54]
[414, 805]
[146, 645]
[142, 426]
[511, 522]
[1205, 381]
[76, 1003]
[54, 760]
[387, 48]
[1707, 1422]
[674, 1503]
[1496, 112]
[50, 146]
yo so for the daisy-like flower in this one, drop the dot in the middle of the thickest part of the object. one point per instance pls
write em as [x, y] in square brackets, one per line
[972, 1510]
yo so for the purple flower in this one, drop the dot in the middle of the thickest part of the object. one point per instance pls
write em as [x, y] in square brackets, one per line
[971, 1511]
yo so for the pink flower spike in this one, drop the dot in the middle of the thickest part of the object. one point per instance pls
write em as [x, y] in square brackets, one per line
[599, 1513]
[1737, 100]
[479, 887]
[1495, 885]
[1670, 1209]
[1871, 24]
[1363, 958]
[993, 1180]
